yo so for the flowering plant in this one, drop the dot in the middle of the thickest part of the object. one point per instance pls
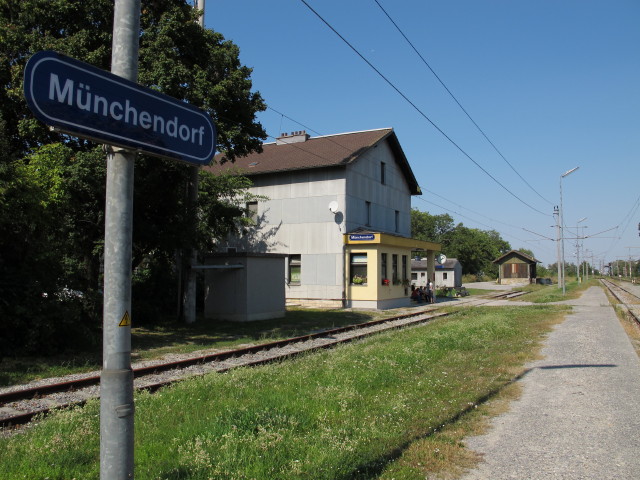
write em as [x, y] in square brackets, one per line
[385, 281]
[359, 280]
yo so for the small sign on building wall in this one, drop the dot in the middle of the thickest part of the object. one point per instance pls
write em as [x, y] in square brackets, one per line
[362, 237]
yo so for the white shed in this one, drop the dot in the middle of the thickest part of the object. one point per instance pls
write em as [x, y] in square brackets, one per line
[449, 274]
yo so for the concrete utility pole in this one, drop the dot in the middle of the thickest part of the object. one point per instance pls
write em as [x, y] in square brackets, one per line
[116, 380]
[190, 288]
[578, 238]
[556, 215]
[588, 254]
[568, 172]
[630, 264]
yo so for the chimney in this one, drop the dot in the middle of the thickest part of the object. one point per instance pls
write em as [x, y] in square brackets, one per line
[293, 137]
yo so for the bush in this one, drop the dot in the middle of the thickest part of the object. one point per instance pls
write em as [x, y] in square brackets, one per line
[153, 291]
[46, 323]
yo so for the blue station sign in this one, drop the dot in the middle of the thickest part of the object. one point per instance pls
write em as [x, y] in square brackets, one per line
[82, 100]
[362, 237]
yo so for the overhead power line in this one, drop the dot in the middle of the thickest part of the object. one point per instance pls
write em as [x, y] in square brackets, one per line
[294, 121]
[626, 220]
[418, 109]
[456, 100]
[483, 224]
[298, 146]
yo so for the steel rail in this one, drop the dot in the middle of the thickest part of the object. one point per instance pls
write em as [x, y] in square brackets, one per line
[67, 386]
[40, 391]
[615, 289]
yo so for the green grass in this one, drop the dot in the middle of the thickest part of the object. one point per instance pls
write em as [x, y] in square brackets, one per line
[551, 293]
[480, 291]
[151, 342]
[470, 291]
[354, 412]
[17, 370]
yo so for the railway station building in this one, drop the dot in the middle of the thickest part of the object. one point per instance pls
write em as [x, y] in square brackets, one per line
[338, 207]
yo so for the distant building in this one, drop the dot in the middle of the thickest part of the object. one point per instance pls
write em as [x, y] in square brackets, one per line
[516, 267]
[449, 274]
[339, 208]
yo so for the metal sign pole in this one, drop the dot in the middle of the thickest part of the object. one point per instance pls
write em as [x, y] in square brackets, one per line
[116, 383]
[124, 115]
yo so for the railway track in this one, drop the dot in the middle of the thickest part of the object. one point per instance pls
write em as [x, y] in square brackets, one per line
[629, 301]
[20, 404]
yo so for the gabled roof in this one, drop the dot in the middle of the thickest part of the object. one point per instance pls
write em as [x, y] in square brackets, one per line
[449, 264]
[318, 152]
[516, 253]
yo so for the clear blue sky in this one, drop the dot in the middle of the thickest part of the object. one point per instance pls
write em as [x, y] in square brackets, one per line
[554, 84]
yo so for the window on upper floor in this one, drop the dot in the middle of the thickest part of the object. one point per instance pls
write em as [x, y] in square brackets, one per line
[397, 220]
[367, 213]
[252, 211]
[383, 173]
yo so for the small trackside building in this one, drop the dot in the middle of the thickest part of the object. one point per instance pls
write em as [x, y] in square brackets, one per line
[378, 267]
[339, 208]
[516, 267]
[447, 274]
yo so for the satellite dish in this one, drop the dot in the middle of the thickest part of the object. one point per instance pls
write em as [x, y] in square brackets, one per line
[333, 207]
[441, 258]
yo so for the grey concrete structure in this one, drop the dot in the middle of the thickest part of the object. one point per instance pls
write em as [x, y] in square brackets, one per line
[578, 417]
[244, 287]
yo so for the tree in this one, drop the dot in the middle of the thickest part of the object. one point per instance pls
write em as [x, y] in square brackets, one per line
[475, 249]
[430, 228]
[527, 251]
[544, 272]
[56, 182]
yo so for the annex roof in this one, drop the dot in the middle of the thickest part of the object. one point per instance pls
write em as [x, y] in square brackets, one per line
[449, 264]
[516, 253]
[317, 152]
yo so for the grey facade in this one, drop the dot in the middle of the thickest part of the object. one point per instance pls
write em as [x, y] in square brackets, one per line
[240, 287]
[319, 189]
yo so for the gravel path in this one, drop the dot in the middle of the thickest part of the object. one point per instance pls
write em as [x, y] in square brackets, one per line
[579, 415]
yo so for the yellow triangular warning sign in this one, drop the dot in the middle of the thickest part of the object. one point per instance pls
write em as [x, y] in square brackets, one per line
[126, 320]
